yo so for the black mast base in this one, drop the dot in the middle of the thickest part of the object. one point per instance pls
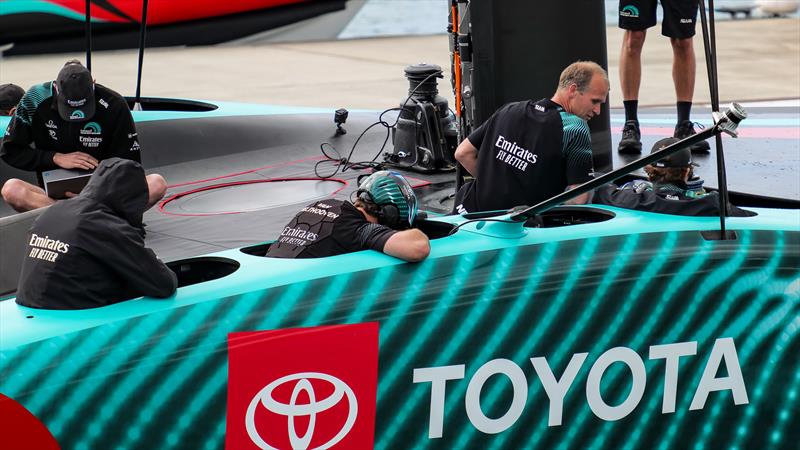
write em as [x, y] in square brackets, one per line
[716, 235]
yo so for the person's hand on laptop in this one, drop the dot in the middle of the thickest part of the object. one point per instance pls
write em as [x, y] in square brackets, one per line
[75, 160]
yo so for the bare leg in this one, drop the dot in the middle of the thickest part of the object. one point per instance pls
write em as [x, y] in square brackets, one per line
[683, 68]
[157, 187]
[630, 63]
[24, 196]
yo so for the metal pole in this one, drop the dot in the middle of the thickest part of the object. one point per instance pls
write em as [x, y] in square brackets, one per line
[709, 42]
[88, 35]
[142, 36]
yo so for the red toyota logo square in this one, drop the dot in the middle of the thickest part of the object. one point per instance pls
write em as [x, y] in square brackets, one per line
[303, 388]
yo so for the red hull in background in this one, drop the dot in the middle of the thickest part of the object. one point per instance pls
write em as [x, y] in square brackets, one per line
[56, 26]
[161, 12]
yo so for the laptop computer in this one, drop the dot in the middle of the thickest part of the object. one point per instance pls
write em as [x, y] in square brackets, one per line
[60, 181]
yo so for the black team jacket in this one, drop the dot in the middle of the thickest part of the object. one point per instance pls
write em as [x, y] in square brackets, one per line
[668, 199]
[89, 251]
[36, 132]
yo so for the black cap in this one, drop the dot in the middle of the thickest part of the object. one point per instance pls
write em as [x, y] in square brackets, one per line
[10, 95]
[681, 158]
[75, 92]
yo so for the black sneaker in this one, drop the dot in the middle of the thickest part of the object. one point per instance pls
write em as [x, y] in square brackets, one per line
[631, 138]
[686, 129]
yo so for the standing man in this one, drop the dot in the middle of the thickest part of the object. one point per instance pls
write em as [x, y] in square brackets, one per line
[69, 123]
[635, 17]
[529, 151]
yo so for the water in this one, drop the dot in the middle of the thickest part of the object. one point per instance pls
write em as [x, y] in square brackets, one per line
[422, 17]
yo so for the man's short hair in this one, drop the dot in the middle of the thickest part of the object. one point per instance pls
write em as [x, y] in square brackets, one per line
[370, 207]
[10, 95]
[666, 174]
[580, 73]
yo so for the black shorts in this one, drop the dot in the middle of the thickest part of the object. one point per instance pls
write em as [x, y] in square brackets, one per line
[680, 16]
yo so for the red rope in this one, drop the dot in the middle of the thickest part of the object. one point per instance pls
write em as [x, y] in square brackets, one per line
[164, 202]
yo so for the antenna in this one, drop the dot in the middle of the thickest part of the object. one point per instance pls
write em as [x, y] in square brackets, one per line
[88, 35]
[137, 106]
[710, 46]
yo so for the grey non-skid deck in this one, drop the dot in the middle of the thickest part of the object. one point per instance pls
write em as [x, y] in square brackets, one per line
[230, 189]
[762, 162]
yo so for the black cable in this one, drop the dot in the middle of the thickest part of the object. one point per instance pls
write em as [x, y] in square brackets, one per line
[344, 164]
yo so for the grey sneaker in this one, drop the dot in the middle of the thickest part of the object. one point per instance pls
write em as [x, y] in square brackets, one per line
[686, 129]
[631, 138]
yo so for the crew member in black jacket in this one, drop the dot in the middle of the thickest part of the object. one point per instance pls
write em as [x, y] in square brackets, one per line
[88, 251]
[672, 189]
[529, 151]
[69, 123]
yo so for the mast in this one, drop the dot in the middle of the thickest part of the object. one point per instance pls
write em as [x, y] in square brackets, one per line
[710, 47]
[142, 37]
[89, 35]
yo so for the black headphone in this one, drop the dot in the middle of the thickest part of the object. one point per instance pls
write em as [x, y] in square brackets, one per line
[388, 214]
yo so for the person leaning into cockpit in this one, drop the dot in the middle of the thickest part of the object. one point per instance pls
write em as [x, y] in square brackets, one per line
[381, 218]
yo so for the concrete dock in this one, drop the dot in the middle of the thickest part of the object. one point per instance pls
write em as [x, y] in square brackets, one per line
[757, 59]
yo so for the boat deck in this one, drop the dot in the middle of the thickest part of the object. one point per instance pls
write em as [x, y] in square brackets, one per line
[229, 188]
[250, 205]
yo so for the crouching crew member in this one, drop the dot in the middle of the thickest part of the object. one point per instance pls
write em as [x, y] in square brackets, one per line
[380, 219]
[88, 251]
[69, 123]
[672, 189]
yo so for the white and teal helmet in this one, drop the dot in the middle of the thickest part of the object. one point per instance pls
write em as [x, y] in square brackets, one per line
[394, 197]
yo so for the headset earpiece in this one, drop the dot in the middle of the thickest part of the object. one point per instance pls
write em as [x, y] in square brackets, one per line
[389, 216]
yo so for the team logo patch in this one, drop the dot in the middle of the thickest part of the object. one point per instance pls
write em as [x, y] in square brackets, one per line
[77, 114]
[629, 11]
[91, 128]
[303, 388]
[90, 135]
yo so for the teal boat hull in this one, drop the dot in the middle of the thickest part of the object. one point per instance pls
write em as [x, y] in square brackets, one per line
[601, 300]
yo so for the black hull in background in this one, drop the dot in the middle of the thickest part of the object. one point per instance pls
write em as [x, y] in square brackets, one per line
[38, 33]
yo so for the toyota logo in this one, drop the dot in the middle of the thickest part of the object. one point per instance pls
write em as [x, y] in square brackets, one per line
[302, 384]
